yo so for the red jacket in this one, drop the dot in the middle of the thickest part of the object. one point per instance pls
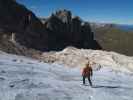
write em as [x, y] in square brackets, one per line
[87, 71]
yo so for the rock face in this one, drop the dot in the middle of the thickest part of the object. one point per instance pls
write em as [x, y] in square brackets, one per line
[66, 30]
[20, 27]
[22, 24]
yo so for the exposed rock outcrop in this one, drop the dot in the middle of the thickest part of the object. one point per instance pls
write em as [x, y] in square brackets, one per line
[66, 30]
[19, 28]
[22, 24]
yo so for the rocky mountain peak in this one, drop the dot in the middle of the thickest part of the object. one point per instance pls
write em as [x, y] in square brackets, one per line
[60, 30]
[17, 21]
[64, 15]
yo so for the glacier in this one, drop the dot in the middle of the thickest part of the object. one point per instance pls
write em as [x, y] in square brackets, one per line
[23, 78]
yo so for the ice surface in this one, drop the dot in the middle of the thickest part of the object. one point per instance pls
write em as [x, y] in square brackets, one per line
[22, 78]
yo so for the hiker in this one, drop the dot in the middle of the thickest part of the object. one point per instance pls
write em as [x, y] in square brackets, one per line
[87, 73]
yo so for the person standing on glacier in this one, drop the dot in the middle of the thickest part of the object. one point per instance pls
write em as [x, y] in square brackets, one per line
[87, 72]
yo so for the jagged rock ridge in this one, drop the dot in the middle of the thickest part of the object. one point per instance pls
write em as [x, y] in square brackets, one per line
[20, 27]
[66, 30]
[20, 24]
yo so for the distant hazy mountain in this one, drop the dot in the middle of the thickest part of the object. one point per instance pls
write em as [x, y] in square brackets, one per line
[125, 27]
[111, 25]
[114, 37]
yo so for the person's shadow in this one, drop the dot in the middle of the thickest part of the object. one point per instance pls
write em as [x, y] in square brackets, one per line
[102, 86]
[108, 87]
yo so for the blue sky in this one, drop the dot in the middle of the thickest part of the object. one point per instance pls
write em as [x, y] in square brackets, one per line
[108, 11]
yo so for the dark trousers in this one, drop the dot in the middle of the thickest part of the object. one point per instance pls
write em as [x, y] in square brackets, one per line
[84, 77]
